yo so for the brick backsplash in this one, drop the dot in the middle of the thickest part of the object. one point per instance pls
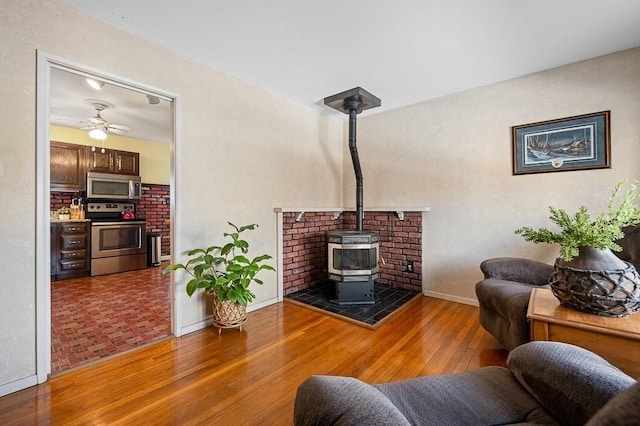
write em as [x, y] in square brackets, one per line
[305, 254]
[153, 205]
[59, 199]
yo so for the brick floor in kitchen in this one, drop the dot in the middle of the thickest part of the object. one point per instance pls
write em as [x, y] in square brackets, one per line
[96, 317]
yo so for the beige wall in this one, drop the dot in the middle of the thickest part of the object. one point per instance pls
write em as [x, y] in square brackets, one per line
[453, 154]
[241, 152]
[155, 158]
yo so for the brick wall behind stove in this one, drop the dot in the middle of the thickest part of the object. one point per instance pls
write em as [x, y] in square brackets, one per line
[304, 247]
[400, 241]
[304, 254]
[59, 199]
[154, 205]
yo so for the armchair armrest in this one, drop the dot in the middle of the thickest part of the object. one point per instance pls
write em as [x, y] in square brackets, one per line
[517, 269]
[333, 400]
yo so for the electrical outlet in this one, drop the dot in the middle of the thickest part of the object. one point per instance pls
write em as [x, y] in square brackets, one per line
[409, 266]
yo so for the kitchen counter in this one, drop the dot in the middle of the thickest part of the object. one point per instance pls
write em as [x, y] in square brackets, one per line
[56, 220]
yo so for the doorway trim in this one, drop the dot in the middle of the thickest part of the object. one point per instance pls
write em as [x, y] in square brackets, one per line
[45, 62]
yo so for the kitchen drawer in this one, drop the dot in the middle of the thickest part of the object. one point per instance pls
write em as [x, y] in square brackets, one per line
[73, 242]
[73, 255]
[73, 265]
[73, 228]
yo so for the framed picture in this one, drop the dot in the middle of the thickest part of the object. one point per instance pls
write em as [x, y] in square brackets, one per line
[571, 143]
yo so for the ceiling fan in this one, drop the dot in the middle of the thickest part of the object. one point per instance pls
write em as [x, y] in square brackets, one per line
[99, 127]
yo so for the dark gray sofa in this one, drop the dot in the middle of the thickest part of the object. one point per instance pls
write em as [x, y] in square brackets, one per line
[546, 383]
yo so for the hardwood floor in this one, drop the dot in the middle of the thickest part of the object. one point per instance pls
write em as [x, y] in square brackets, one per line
[250, 377]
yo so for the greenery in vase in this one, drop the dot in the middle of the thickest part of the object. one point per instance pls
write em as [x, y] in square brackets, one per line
[63, 210]
[579, 230]
[225, 270]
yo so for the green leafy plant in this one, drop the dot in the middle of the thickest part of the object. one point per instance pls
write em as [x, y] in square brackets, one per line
[63, 210]
[579, 230]
[225, 270]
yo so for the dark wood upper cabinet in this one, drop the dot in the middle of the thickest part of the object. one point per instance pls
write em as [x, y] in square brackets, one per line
[114, 161]
[127, 163]
[70, 164]
[101, 162]
[68, 167]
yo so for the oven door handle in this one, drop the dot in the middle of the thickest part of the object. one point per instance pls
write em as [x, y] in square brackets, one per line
[132, 222]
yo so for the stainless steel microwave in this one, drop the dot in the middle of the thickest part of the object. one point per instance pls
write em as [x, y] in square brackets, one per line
[108, 186]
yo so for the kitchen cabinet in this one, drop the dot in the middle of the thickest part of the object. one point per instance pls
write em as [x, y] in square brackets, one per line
[113, 161]
[69, 250]
[68, 167]
[54, 251]
[127, 163]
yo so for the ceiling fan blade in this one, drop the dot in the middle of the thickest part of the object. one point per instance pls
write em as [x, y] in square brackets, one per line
[115, 130]
[118, 126]
[59, 118]
[96, 120]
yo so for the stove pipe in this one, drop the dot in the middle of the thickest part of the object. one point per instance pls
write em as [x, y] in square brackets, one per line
[353, 102]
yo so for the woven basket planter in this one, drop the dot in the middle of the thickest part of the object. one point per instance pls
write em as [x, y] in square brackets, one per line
[227, 314]
[608, 292]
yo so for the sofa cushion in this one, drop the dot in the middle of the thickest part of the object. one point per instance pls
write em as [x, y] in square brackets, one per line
[621, 410]
[571, 383]
[485, 396]
[345, 401]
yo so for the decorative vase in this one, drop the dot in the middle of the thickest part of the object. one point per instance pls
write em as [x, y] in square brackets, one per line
[597, 282]
[227, 314]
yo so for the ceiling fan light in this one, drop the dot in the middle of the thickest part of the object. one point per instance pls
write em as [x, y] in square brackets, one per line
[98, 134]
[96, 84]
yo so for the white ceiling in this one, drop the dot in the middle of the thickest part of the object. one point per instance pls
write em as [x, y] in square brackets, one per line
[69, 107]
[403, 51]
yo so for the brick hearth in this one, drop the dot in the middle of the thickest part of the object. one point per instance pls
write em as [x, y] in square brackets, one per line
[304, 247]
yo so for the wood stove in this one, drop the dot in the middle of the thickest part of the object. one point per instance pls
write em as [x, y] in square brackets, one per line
[353, 265]
[353, 255]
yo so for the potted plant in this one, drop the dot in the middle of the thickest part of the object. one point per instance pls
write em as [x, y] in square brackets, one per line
[64, 213]
[225, 272]
[588, 276]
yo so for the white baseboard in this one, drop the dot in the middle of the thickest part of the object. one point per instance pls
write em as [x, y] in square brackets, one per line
[207, 322]
[18, 385]
[444, 296]
[195, 327]
[262, 304]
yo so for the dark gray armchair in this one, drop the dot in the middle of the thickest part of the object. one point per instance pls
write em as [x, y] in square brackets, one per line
[503, 297]
[503, 294]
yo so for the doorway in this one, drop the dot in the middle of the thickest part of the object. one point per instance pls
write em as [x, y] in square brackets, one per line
[49, 65]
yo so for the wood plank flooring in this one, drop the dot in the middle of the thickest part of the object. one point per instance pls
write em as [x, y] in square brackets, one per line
[250, 377]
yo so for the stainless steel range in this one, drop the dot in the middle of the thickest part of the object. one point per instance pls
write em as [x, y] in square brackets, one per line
[118, 239]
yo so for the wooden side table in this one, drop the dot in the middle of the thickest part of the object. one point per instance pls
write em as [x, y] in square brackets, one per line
[615, 339]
